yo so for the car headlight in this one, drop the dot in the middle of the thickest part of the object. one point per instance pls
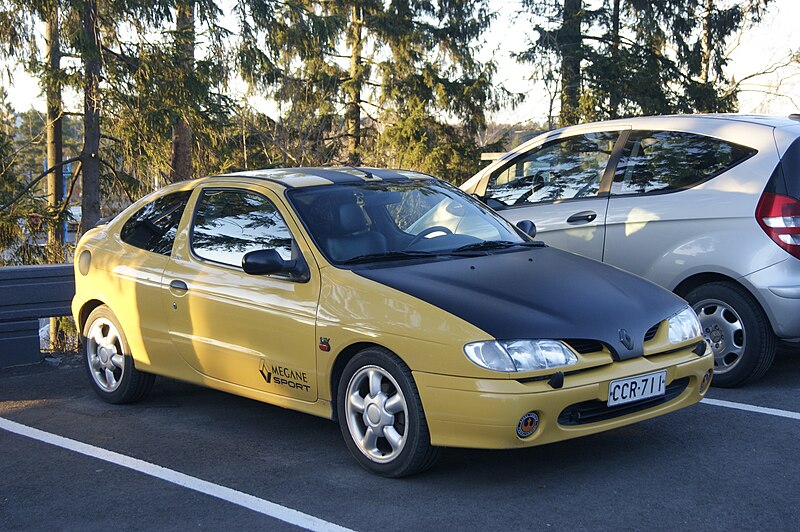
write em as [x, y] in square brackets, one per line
[683, 326]
[520, 355]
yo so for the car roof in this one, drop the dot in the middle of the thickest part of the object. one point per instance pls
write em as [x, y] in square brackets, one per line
[765, 120]
[681, 120]
[318, 176]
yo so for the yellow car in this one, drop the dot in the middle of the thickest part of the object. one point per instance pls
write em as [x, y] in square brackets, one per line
[385, 299]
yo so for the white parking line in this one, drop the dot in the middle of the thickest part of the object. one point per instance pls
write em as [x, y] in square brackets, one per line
[239, 498]
[751, 408]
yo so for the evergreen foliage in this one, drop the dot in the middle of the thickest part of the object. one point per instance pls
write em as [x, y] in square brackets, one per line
[631, 57]
[395, 84]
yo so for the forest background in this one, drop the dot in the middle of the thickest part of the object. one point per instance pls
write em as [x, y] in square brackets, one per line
[141, 93]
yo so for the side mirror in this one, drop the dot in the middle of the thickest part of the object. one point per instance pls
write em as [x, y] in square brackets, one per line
[490, 202]
[265, 262]
[527, 227]
[495, 204]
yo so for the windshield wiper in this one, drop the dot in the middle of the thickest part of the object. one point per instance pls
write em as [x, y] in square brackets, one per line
[488, 245]
[388, 255]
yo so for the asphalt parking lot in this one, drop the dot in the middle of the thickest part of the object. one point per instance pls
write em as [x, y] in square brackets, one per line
[188, 457]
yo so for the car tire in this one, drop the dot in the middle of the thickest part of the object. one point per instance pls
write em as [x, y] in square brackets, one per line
[381, 416]
[740, 335]
[108, 361]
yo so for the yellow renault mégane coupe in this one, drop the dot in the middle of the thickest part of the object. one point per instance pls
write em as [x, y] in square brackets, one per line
[385, 299]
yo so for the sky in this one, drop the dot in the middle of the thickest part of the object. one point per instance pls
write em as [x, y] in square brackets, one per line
[756, 50]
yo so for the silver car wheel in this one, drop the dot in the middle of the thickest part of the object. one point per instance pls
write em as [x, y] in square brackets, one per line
[724, 330]
[376, 414]
[104, 354]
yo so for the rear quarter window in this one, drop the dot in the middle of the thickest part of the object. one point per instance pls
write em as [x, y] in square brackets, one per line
[666, 161]
[154, 226]
[785, 179]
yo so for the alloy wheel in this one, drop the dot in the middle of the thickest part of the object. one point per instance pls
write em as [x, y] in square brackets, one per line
[723, 328]
[104, 354]
[376, 414]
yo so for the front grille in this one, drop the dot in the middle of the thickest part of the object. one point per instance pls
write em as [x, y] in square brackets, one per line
[651, 332]
[585, 346]
[594, 411]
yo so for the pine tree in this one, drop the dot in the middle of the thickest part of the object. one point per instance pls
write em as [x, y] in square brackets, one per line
[638, 56]
[17, 25]
[434, 93]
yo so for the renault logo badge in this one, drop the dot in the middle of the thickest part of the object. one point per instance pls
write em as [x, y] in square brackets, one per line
[626, 339]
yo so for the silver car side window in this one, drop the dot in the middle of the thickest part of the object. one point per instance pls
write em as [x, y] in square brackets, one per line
[565, 169]
[664, 161]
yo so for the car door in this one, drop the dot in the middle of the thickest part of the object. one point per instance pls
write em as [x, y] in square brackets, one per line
[559, 185]
[255, 331]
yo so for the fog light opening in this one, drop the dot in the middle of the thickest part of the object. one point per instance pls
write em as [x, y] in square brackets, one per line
[527, 424]
[706, 382]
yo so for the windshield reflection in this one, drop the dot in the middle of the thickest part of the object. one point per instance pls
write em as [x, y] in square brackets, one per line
[396, 220]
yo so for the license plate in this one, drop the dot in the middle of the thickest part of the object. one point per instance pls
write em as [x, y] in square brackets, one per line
[622, 391]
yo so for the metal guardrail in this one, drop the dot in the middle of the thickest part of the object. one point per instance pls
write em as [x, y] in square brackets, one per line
[28, 293]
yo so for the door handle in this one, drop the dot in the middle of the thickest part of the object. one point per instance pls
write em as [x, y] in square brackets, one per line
[178, 285]
[583, 216]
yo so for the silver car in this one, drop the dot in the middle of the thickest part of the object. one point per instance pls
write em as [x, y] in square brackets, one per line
[707, 206]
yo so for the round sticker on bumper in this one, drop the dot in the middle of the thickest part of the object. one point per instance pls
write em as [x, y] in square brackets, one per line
[527, 424]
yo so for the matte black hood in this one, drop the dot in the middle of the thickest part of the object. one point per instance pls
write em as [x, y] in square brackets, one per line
[538, 293]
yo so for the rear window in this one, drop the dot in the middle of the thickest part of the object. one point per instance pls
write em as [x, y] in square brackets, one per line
[665, 161]
[785, 179]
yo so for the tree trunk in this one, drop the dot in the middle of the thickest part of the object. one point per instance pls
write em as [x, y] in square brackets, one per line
[569, 37]
[90, 157]
[55, 234]
[354, 86]
[614, 97]
[705, 42]
[182, 134]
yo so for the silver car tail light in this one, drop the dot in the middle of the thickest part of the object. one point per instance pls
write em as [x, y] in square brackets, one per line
[779, 217]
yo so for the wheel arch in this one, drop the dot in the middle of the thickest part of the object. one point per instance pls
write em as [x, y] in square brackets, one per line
[83, 315]
[693, 281]
[344, 356]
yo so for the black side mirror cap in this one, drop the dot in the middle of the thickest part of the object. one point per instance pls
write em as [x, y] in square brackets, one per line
[527, 227]
[495, 204]
[490, 202]
[265, 262]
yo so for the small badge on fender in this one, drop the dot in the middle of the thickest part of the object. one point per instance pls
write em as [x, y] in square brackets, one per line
[324, 344]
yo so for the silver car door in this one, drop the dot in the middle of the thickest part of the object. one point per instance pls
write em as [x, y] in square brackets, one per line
[558, 185]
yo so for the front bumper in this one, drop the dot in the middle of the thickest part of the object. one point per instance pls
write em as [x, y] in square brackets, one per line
[484, 413]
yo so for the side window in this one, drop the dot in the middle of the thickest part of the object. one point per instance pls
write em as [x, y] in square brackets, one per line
[154, 226]
[662, 161]
[229, 223]
[563, 169]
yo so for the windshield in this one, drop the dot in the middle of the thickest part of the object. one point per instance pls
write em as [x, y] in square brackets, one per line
[390, 220]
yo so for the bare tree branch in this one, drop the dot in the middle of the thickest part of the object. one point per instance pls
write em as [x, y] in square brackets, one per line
[37, 179]
[118, 179]
[72, 182]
